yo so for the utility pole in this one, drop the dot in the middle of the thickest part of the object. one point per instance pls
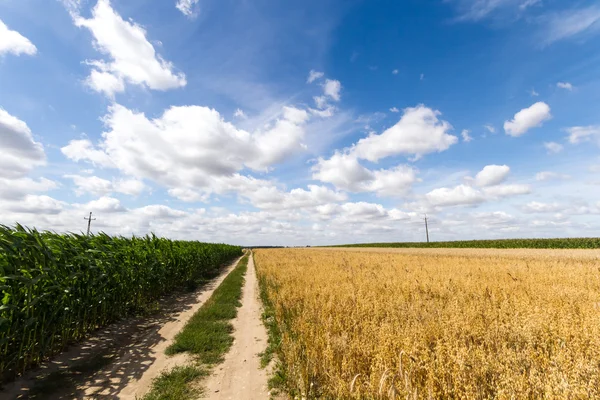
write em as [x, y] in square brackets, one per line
[89, 220]
[426, 228]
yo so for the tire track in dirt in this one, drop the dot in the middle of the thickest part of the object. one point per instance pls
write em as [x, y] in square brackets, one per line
[240, 376]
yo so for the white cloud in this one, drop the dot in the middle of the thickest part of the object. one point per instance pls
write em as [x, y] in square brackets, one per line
[548, 175]
[314, 75]
[320, 101]
[17, 188]
[132, 57]
[326, 113]
[396, 181]
[101, 187]
[394, 110]
[272, 199]
[465, 135]
[105, 82]
[570, 23]
[459, 195]
[553, 147]
[240, 114]
[90, 184]
[534, 93]
[477, 10]
[395, 72]
[34, 204]
[529, 3]
[83, 149]
[14, 43]
[578, 134]
[492, 175]
[189, 146]
[565, 85]
[507, 190]
[346, 173]
[104, 204]
[418, 132]
[132, 187]
[539, 207]
[332, 88]
[528, 118]
[20, 152]
[189, 8]
[490, 128]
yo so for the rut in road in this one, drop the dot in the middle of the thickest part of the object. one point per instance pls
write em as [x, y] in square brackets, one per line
[240, 376]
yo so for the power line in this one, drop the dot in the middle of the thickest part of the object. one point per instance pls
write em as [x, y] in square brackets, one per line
[89, 220]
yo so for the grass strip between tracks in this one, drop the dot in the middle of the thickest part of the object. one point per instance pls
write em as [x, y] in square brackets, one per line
[207, 335]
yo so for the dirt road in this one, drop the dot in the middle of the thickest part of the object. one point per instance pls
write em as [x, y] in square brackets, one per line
[120, 361]
[240, 377]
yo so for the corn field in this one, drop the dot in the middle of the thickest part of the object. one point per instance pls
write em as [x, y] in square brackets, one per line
[435, 324]
[564, 243]
[56, 289]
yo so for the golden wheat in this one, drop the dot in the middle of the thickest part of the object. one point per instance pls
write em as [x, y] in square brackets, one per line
[443, 323]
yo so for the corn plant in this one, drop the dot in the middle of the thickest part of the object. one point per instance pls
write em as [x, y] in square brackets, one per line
[58, 288]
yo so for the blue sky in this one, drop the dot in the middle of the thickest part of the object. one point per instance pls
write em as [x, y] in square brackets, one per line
[301, 122]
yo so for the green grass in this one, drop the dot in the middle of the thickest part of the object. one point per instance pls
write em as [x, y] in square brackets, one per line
[208, 333]
[278, 380]
[176, 384]
[564, 243]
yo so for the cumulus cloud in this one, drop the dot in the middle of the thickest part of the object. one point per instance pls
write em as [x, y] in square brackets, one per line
[492, 175]
[418, 132]
[188, 146]
[20, 152]
[345, 172]
[528, 118]
[37, 204]
[459, 195]
[83, 149]
[314, 75]
[98, 186]
[394, 110]
[553, 147]
[272, 199]
[14, 43]
[578, 134]
[17, 188]
[507, 190]
[131, 57]
[332, 88]
[189, 8]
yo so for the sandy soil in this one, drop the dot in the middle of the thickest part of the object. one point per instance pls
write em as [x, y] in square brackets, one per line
[121, 360]
[240, 377]
[583, 254]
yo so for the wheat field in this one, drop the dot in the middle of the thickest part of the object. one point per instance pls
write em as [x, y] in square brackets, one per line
[436, 323]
